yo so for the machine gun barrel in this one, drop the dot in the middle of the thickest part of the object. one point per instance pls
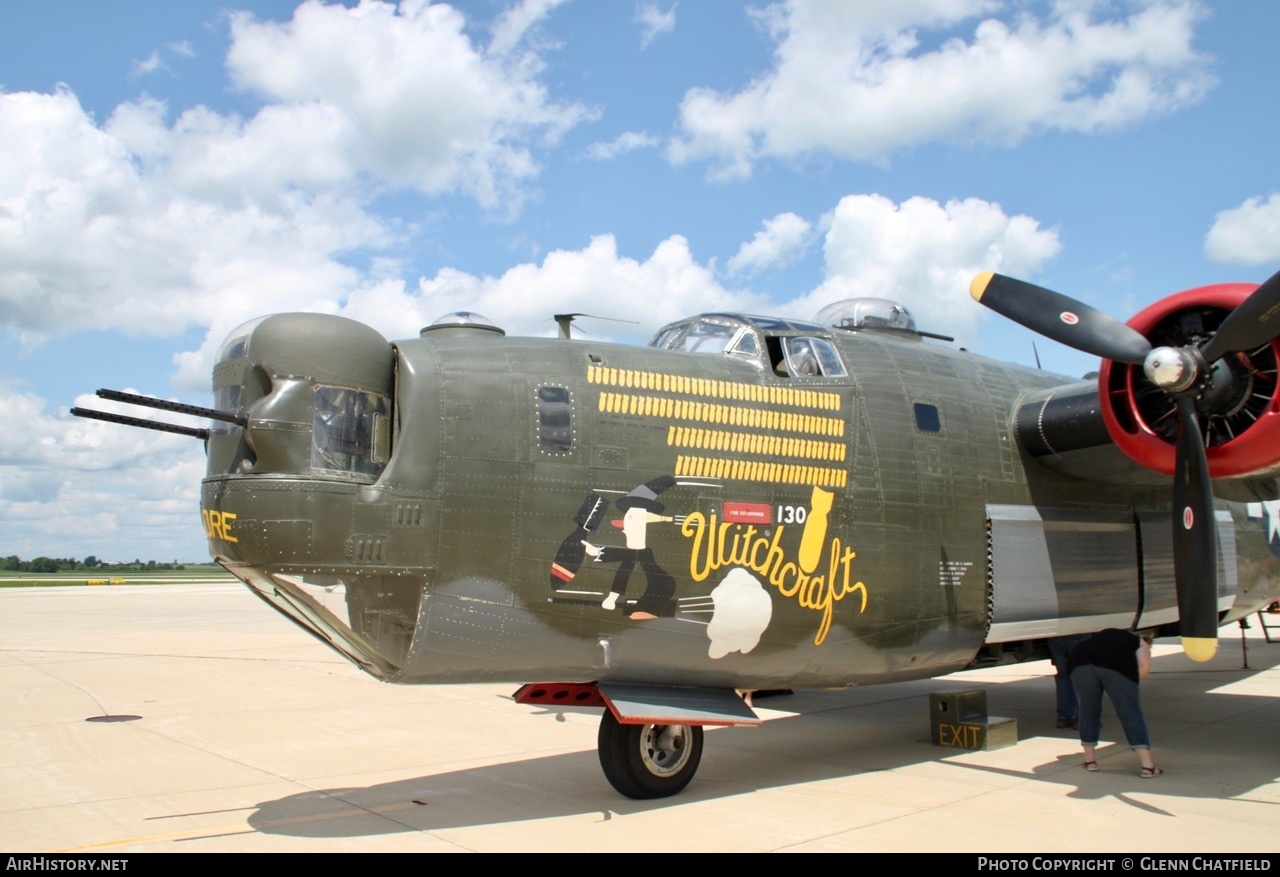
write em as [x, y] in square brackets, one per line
[179, 407]
[202, 434]
[161, 404]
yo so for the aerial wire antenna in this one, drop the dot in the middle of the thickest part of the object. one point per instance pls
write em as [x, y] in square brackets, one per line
[565, 322]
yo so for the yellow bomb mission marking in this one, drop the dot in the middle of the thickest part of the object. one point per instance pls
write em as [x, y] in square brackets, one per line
[718, 544]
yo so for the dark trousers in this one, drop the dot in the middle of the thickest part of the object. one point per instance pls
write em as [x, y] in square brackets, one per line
[1090, 682]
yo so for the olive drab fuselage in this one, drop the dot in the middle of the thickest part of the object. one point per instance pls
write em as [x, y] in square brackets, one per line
[804, 506]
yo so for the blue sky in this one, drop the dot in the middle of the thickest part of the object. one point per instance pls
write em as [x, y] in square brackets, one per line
[170, 170]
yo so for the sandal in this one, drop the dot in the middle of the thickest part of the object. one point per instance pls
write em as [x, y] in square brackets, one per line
[1149, 772]
[1090, 765]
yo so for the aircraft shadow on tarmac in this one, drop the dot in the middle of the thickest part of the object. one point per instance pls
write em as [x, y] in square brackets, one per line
[840, 734]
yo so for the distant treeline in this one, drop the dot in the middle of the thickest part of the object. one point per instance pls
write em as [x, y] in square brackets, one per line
[13, 563]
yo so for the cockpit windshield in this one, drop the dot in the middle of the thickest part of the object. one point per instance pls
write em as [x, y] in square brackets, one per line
[790, 348]
[717, 335]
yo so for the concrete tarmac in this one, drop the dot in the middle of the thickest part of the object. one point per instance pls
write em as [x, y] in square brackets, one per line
[247, 734]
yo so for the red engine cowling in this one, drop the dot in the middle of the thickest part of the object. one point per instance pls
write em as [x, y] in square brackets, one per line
[1239, 417]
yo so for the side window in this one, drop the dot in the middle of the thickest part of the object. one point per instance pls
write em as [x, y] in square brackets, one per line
[667, 339]
[828, 358]
[814, 357]
[927, 417]
[555, 420]
[746, 345]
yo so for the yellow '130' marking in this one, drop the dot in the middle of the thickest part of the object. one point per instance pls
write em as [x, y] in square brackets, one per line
[217, 525]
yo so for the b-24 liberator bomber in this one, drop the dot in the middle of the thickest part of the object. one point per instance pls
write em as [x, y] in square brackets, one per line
[747, 503]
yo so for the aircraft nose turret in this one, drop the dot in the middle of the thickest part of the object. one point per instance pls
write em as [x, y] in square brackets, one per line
[291, 503]
[313, 396]
[315, 391]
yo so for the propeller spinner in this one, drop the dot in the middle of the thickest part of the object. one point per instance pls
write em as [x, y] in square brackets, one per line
[1193, 379]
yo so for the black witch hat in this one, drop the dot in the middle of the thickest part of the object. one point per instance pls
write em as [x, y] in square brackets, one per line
[646, 495]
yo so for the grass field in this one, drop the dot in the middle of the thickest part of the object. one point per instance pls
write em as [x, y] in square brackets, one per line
[202, 574]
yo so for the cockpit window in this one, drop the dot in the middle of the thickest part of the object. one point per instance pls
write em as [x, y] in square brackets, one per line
[791, 348]
[814, 357]
[717, 336]
[746, 345]
[351, 432]
[704, 337]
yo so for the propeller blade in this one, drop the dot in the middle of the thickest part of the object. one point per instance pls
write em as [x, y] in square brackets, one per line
[1255, 322]
[1059, 317]
[1195, 539]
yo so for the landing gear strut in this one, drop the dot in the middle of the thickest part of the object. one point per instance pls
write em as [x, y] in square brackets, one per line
[648, 761]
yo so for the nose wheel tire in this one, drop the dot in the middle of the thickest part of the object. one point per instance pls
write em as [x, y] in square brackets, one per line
[648, 761]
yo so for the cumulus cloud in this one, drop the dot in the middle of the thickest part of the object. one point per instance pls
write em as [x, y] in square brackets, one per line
[860, 81]
[147, 228]
[924, 254]
[667, 285]
[1248, 234]
[919, 252]
[596, 279]
[782, 240]
[654, 21]
[151, 223]
[419, 104]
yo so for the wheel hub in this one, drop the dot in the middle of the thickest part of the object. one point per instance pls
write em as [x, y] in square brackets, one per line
[663, 748]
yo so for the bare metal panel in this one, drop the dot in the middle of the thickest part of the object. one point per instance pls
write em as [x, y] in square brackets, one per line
[1228, 571]
[1059, 571]
[1022, 574]
[666, 705]
[1160, 598]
